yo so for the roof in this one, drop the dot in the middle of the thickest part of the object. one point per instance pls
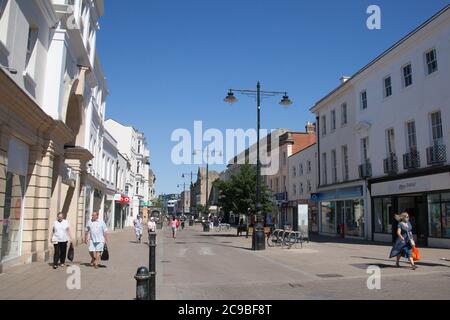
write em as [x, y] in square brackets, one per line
[303, 149]
[381, 56]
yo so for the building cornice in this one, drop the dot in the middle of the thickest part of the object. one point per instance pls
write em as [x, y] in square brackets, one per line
[48, 11]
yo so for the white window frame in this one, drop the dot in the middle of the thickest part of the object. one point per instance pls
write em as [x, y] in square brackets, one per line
[324, 126]
[334, 177]
[411, 134]
[345, 168]
[436, 128]
[406, 76]
[363, 100]
[365, 149]
[324, 169]
[333, 121]
[387, 88]
[390, 141]
[344, 114]
[429, 63]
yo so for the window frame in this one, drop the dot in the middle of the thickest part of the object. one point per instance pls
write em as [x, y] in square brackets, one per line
[411, 135]
[363, 100]
[406, 76]
[387, 87]
[428, 64]
[344, 107]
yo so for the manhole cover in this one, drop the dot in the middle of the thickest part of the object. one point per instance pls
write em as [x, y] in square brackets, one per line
[295, 285]
[330, 275]
[226, 242]
[165, 261]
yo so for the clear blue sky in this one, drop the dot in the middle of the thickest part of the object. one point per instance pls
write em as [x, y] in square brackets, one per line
[169, 63]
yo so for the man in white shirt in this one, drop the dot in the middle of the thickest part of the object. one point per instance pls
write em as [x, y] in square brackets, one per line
[151, 225]
[96, 238]
[60, 237]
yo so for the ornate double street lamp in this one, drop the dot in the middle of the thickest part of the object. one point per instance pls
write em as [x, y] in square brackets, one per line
[258, 238]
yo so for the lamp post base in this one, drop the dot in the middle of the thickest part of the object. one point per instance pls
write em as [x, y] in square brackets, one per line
[258, 237]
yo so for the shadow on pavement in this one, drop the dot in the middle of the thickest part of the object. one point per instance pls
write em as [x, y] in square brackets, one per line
[418, 263]
[325, 239]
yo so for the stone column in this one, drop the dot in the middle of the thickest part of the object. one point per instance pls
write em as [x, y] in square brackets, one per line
[4, 144]
[36, 226]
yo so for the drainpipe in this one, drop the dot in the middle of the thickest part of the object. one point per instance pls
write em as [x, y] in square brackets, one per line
[319, 207]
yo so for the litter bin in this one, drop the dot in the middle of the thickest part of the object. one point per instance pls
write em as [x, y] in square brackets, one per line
[206, 227]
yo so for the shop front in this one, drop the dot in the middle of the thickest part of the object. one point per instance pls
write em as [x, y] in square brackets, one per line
[293, 213]
[342, 212]
[427, 201]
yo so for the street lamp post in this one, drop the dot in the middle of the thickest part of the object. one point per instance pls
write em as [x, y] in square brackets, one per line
[258, 238]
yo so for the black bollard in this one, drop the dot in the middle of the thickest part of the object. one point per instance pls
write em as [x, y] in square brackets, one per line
[142, 284]
[152, 264]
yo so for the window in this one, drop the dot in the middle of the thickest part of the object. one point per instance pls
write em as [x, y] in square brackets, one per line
[301, 169]
[309, 186]
[308, 165]
[324, 125]
[333, 120]
[284, 159]
[439, 211]
[407, 76]
[365, 149]
[294, 189]
[324, 169]
[363, 100]
[333, 166]
[137, 187]
[411, 135]
[127, 189]
[284, 184]
[294, 171]
[436, 127]
[345, 175]
[31, 43]
[387, 87]
[277, 184]
[139, 146]
[431, 60]
[344, 114]
[301, 188]
[390, 141]
[138, 167]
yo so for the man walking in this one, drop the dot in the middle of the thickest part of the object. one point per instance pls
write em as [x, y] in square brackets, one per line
[96, 238]
[138, 227]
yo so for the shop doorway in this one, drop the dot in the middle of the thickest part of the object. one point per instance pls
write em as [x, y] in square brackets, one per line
[416, 206]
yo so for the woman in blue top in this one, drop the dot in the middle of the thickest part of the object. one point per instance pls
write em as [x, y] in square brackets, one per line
[404, 243]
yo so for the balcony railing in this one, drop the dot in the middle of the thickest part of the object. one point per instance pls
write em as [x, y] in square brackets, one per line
[436, 154]
[411, 160]
[365, 170]
[390, 164]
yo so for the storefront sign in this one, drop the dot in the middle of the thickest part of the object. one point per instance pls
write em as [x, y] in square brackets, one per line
[68, 175]
[405, 186]
[344, 193]
[125, 200]
[281, 196]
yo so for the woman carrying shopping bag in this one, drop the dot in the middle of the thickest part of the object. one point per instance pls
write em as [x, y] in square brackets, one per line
[404, 244]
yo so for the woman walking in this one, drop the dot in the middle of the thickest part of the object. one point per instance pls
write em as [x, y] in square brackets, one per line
[174, 224]
[404, 243]
[60, 237]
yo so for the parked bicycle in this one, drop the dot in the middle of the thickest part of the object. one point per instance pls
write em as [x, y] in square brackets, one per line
[294, 238]
[276, 238]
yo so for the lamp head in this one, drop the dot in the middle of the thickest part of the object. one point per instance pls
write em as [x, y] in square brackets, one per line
[286, 102]
[230, 98]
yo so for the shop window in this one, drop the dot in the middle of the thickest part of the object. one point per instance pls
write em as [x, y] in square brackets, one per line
[384, 215]
[328, 219]
[439, 213]
[354, 218]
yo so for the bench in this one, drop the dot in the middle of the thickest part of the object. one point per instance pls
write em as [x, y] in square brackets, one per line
[267, 231]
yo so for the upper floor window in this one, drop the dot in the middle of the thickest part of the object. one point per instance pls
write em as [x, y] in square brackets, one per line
[431, 60]
[436, 127]
[390, 141]
[363, 100]
[324, 125]
[344, 114]
[138, 167]
[345, 171]
[294, 189]
[309, 186]
[333, 166]
[308, 166]
[324, 169]
[407, 76]
[284, 159]
[31, 44]
[139, 146]
[137, 187]
[294, 171]
[387, 87]
[301, 169]
[333, 120]
[301, 188]
[411, 134]
[365, 149]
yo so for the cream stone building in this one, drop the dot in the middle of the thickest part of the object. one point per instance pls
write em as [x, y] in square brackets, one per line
[49, 75]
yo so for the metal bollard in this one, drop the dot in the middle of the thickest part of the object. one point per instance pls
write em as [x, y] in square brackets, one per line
[142, 284]
[152, 265]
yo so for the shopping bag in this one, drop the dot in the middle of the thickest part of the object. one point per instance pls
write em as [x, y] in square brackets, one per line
[105, 254]
[70, 253]
[416, 254]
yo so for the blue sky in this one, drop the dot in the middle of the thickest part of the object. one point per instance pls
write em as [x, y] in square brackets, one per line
[169, 63]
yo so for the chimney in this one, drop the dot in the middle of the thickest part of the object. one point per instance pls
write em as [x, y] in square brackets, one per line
[344, 79]
[310, 128]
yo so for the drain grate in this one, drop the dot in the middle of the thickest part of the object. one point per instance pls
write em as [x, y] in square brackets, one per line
[166, 261]
[330, 275]
[226, 242]
[295, 285]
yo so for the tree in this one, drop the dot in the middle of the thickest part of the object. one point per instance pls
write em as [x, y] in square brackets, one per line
[239, 193]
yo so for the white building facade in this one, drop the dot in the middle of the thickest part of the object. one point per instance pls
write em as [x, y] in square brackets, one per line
[396, 141]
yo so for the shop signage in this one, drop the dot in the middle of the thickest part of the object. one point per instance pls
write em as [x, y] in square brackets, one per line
[344, 193]
[68, 175]
[281, 196]
[125, 200]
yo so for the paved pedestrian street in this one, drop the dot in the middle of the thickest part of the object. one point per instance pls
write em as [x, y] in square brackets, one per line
[203, 266]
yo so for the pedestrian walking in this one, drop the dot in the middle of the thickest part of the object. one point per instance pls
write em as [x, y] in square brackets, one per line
[151, 224]
[96, 237]
[138, 227]
[174, 224]
[60, 238]
[404, 244]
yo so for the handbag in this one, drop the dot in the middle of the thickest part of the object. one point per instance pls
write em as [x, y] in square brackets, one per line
[70, 253]
[415, 254]
[105, 254]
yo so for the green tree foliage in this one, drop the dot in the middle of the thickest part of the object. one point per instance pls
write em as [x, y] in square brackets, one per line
[239, 193]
